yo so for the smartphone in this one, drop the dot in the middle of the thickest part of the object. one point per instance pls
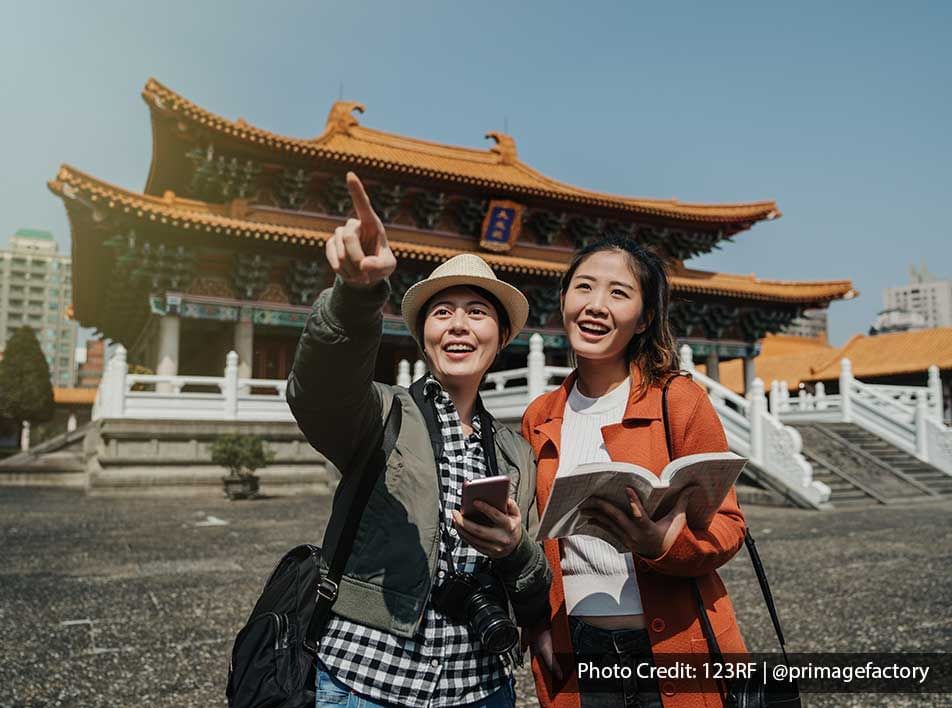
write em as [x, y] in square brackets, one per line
[492, 490]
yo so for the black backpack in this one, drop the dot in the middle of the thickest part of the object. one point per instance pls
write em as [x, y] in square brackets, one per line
[273, 657]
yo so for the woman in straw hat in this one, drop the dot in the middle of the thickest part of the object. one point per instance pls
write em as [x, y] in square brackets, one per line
[397, 635]
[631, 609]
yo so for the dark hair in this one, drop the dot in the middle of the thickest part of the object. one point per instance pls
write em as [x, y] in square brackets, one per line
[502, 315]
[654, 350]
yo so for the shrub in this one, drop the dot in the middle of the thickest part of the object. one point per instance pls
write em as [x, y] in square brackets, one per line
[241, 455]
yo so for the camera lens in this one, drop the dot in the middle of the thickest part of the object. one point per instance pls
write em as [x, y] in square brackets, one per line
[491, 623]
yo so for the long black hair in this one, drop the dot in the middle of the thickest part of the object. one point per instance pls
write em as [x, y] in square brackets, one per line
[654, 350]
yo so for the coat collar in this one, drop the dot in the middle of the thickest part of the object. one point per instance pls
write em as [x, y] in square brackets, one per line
[644, 407]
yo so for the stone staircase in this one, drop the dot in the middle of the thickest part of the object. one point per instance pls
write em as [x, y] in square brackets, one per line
[58, 461]
[862, 469]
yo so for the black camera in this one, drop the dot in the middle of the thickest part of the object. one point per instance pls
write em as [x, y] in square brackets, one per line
[477, 599]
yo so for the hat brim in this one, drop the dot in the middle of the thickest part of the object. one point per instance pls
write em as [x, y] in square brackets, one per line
[512, 300]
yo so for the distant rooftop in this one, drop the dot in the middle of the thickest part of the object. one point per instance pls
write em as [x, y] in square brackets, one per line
[34, 233]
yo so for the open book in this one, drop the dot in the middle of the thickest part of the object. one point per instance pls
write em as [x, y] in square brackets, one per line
[711, 474]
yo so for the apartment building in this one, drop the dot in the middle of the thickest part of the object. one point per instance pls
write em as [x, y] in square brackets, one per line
[36, 290]
[926, 295]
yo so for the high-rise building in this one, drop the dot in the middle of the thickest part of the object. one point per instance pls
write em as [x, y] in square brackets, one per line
[811, 324]
[926, 295]
[36, 290]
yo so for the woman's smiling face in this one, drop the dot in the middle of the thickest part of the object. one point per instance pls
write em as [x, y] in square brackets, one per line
[602, 307]
[461, 335]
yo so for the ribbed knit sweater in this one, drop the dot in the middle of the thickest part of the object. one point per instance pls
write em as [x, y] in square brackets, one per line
[598, 580]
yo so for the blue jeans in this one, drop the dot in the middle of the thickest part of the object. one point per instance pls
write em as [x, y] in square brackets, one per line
[332, 693]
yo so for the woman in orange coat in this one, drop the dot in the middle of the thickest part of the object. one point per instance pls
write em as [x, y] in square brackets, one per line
[605, 604]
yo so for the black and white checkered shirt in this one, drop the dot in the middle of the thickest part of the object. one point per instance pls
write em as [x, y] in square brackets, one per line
[443, 664]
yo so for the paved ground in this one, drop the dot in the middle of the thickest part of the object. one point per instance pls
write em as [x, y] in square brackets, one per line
[133, 602]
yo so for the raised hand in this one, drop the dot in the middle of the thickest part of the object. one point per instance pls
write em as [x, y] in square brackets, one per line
[498, 540]
[358, 251]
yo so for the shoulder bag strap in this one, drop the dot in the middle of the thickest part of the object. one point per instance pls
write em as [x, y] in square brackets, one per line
[373, 461]
[751, 549]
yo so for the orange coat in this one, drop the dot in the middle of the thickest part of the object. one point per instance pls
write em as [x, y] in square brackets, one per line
[668, 601]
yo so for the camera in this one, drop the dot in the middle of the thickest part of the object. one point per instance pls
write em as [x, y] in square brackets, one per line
[477, 599]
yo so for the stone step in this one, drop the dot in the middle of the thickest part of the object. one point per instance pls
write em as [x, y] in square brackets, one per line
[750, 495]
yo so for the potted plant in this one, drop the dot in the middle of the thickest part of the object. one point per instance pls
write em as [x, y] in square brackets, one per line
[241, 455]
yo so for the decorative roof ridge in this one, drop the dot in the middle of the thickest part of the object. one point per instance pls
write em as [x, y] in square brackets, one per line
[341, 121]
[752, 278]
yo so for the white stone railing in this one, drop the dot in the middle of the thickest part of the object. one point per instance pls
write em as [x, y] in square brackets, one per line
[755, 433]
[152, 397]
[909, 417]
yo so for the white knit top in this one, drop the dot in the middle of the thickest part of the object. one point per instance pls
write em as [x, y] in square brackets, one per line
[597, 579]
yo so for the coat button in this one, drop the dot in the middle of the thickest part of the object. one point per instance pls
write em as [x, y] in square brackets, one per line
[657, 625]
[667, 688]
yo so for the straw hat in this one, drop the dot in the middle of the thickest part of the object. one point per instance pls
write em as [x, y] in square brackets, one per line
[466, 269]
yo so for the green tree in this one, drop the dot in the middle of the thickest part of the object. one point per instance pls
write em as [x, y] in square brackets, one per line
[25, 389]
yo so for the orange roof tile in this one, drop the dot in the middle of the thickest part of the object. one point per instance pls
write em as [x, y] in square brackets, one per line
[786, 344]
[792, 368]
[894, 353]
[345, 140]
[74, 396]
[871, 356]
[266, 224]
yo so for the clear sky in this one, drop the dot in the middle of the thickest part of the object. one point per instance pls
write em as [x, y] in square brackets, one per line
[838, 111]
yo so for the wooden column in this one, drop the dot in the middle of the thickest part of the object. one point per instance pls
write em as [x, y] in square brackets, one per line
[713, 363]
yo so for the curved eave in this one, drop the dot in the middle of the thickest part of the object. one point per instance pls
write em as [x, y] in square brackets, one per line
[424, 159]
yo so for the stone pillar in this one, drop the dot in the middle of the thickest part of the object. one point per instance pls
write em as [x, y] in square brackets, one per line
[403, 373]
[231, 386]
[922, 436]
[935, 392]
[846, 383]
[713, 362]
[536, 378]
[244, 346]
[755, 415]
[750, 372]
[419, 369]
[686, 358]
[168, 358]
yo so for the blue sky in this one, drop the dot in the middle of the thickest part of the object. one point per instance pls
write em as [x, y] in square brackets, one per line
[838, 111]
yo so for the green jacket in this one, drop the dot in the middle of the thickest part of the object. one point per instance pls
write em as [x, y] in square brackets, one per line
[339, 407]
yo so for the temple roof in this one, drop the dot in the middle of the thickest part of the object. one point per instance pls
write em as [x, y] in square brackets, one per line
[346, 141]
[893, 353]
[875, 356]
[240, 220]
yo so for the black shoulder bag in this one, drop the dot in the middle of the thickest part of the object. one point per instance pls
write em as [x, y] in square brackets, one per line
[273, 658]
[750, 692]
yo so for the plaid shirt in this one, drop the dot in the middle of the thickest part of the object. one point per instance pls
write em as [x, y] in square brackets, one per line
[443, 664]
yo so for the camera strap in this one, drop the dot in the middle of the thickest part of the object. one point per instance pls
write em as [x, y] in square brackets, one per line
[434, 429]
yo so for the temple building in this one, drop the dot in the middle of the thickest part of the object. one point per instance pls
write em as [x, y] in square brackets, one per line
[223, 250]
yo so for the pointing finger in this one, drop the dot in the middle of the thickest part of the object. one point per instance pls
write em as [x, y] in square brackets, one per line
[365, 212]
[330, 251]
